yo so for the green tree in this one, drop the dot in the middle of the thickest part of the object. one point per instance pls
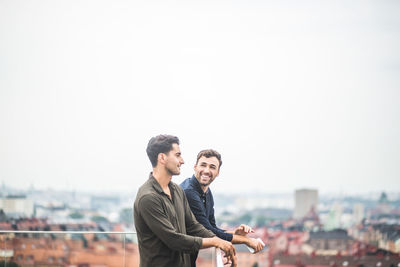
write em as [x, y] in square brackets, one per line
[99, 219]
[8, 264]
[261, 221]
[76, 215]
[246, 218]
[3, 216]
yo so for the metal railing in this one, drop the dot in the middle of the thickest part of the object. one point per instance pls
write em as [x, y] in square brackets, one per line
[62, 232]
[8, 235]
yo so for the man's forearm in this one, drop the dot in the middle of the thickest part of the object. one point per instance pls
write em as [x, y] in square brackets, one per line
[240, 239]
[237, 239]
[248, 241]
[209, 242]
[218, 243]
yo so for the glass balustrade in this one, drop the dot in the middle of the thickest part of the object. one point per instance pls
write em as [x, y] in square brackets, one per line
[77, 249]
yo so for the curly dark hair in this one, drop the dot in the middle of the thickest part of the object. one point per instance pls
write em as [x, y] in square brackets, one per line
[160, 144]
[208, 153]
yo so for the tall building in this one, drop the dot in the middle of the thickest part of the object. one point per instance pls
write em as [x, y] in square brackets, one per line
[384, 204]
[17, 206]
[334, 220]
[306, 200]
[358, 213]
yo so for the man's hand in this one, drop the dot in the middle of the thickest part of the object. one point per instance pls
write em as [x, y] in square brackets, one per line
[255, 244]
[225, 246]
[228, 262]
[243, 230]
[229, 250]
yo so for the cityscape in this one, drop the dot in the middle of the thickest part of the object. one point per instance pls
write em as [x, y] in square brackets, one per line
[300, 98]
[302, 228]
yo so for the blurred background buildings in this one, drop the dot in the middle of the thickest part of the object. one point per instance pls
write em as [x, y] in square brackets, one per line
[300, 229]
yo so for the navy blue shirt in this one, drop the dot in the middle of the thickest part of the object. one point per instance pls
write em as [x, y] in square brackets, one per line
[202, 206]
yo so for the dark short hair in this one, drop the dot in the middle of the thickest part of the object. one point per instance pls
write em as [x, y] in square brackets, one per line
[208, 153]
[160, 144]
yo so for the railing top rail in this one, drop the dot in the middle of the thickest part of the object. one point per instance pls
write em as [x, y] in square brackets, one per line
[61, 232]
[220, 262]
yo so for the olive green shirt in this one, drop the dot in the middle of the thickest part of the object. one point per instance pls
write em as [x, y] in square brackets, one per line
[167, 230]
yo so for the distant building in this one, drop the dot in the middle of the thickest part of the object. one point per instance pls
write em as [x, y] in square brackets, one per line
[331, 242]
[383, 204]
[282, 260]
[104, 203]
[334, 217]
[306, 200]
[245, 258]
[87, 250]
[17, 206]
[358, 213]
[385, 236]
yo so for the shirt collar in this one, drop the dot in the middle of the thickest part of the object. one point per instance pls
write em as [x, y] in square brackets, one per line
[156, 185]
[197, 186]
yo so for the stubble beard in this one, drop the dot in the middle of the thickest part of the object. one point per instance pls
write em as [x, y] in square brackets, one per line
[173, 172]
[207, 183]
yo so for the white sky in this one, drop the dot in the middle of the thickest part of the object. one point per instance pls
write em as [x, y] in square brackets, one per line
[292, 93]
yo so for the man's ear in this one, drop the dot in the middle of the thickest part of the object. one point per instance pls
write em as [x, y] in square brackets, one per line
[161, 158]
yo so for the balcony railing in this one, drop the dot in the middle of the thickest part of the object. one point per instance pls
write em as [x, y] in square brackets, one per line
[79, 249]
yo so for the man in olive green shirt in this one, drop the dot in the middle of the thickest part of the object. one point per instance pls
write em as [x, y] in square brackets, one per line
[166, 228]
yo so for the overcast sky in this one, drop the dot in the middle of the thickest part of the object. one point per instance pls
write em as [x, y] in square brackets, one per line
[293, 94]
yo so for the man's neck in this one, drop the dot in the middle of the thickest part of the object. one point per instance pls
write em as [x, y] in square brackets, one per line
[204, 188]
[162, 177]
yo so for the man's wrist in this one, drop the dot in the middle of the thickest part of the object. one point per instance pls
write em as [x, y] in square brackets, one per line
[214, 241]
[240, 239]
[248, 241]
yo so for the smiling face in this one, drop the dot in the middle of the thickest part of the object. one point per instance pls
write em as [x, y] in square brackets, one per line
[206, 170]
[174, 160]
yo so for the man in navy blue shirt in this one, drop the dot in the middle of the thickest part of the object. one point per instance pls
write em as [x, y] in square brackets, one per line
[201, 201]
